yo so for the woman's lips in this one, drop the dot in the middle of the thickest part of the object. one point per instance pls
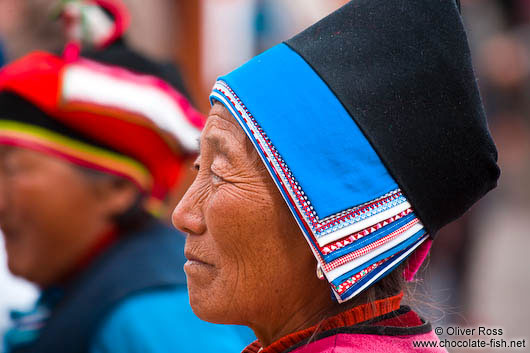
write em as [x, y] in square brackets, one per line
[194, 260]
[193, 263]
[194, 252]
[193, 267]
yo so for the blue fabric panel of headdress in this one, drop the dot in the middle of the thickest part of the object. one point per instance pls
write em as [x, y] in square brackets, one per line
[324, 148]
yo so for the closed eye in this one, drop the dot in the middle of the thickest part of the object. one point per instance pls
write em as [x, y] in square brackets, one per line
[215, 176]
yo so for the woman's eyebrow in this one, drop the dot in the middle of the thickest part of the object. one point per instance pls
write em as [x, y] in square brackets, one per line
[218, 144]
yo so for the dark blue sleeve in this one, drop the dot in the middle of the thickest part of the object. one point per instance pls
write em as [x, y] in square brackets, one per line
[162, 321]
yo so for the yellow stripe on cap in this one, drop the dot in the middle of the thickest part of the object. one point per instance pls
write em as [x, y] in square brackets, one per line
[63, 146]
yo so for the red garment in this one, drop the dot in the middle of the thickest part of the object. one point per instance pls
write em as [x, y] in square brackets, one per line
[383, 326]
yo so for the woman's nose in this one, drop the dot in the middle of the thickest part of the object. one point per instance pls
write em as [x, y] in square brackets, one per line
[187, 215]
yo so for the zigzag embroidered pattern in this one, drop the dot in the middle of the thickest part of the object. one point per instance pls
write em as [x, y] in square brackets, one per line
[362, 214]
[353, 209]
[328, 249]
[363, 210]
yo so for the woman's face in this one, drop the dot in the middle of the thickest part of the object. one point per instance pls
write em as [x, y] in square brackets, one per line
[247, 260]
[51, 215]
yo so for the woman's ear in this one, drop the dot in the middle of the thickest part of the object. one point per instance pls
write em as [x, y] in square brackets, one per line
[116, 195]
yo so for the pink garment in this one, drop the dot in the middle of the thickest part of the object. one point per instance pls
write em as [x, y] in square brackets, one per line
[416, 260]
[364, 343]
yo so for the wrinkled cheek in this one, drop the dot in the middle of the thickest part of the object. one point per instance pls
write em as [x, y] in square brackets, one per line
[237, 215]
[222, 218]
[232, 223]
[238, 227]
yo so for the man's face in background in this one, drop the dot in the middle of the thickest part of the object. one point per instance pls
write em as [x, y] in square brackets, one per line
[50, 214]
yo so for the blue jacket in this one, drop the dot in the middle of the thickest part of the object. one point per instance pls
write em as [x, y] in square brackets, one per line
[162, 321]
[133, 298]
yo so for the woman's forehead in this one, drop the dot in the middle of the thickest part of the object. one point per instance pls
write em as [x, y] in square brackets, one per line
[221, 122]
[223, 132]
[220, 111]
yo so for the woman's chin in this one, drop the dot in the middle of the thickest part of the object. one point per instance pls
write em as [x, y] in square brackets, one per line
[208, 300]
[204, 304]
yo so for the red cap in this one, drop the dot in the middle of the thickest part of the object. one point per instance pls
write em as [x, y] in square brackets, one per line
[143, 118]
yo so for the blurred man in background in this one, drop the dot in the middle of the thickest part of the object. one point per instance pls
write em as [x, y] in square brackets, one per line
[13, 290]
[90, 151]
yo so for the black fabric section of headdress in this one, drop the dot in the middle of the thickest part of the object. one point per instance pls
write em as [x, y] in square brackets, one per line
[120, 54]
[402, 69]
[15, 108]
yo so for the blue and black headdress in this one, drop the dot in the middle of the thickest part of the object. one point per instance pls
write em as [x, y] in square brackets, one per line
[371, 124]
